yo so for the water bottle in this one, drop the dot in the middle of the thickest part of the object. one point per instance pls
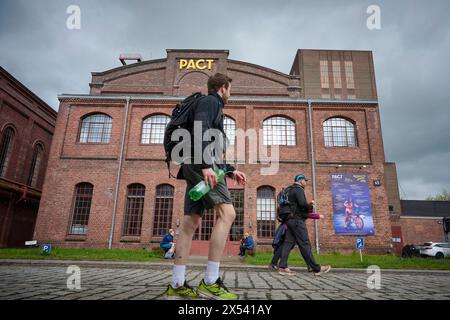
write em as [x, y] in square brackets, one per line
[201, 188]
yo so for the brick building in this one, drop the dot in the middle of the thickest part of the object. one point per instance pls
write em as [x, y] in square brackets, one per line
[414, 221]
[107, 183]
[26, 130]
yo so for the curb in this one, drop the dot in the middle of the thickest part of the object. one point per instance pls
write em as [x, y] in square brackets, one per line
[159, 265]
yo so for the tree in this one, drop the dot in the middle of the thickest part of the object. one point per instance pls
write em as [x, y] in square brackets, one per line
[444, 196]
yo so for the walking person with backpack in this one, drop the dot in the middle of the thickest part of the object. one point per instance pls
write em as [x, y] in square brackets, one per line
[295, 210]
[207, 111]
[280, 233]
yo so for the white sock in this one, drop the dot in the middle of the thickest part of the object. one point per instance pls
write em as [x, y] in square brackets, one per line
[178, 274]
[212, 272]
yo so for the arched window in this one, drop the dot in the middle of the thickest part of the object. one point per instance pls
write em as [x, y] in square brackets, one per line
[35, 165]
[237, 228]
[134, 210]
[279, 131]
[265, 211]
[96, 128]
[153, 129]
[339, 132]
[163, 209]
[5, 149]
[82, 199]
[229, 126]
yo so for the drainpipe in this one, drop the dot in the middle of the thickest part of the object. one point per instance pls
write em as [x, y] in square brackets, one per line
[313, 164]
[119, 173]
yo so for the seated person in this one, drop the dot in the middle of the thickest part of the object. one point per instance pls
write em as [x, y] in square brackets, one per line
[247, 243]
[167, 241]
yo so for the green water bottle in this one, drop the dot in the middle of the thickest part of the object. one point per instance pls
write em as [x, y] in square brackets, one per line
[201, 188]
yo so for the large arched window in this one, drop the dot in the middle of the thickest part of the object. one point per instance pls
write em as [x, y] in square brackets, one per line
[82, 199]
[339, 132]
[134, 211]
[35, 165]
[279, 131]
[265, 211]
[153, 129]
[229, 126]
[237, 228]
[95, 128]
[163, 209]
[5, 149]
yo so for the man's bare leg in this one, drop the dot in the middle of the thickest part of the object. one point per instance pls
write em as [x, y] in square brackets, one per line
[187, 228]
[225, 218]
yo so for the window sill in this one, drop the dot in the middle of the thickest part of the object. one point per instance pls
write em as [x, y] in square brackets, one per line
[92, 143]
[130, 239]
[76, 237]
[151, 144]
[343, 147]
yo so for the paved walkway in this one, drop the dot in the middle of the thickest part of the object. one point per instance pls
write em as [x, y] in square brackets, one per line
[100, 280]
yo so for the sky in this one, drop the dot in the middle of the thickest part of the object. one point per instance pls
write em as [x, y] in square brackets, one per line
[410, 50]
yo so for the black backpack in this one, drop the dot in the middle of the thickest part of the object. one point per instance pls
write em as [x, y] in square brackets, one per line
[181, 118]
[285, 207]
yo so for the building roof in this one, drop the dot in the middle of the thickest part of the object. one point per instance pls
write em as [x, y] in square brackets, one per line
[425, 208]
[52, 113]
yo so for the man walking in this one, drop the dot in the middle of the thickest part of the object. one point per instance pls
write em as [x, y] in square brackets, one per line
[296, 232]
[208, 112]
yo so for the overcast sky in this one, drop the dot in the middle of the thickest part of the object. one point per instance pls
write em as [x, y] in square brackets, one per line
[411, 52]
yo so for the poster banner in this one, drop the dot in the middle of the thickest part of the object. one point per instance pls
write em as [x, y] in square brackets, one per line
[351, 204]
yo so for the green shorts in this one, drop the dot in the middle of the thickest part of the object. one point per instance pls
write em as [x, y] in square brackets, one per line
[219, 194]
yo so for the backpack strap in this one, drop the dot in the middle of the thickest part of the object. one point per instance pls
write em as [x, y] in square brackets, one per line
[168, 169]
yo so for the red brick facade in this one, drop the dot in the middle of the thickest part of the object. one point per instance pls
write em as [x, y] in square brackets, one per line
[418, 230]
[32, 123]
[153, 87]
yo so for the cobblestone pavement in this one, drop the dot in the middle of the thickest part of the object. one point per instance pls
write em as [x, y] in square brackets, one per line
[49, 281]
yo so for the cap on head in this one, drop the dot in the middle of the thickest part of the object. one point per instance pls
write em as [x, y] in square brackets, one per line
[300, 177]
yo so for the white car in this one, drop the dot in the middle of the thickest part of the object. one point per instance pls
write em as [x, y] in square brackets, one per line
[433, 249]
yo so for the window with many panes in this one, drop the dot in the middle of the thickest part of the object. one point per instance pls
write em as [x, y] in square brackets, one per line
[95, 128]
[237, 228]
[324, 78]
[265, 212]
[207, 224]
[339, 132]
[279, 131]
[134, 210]
[203, 232]
[162, 220]
[153, 129]
[82, 199]
[5, 149]
[229, 126]
[35, 165]
[349, 74]
[337, 77]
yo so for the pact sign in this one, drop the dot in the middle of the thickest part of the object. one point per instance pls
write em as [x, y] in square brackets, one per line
[196, 64]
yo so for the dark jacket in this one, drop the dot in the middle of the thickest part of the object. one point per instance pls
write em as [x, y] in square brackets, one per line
[297, 198]
[209, 111]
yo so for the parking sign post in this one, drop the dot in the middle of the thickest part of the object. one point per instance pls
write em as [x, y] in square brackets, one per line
[360, 246]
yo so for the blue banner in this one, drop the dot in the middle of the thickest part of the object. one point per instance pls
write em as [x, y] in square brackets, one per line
[351, 204]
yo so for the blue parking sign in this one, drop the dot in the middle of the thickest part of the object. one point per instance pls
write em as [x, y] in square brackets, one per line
[360, 243]
[46, 248]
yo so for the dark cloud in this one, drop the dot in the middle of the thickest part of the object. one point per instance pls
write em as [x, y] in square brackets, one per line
[410, 53]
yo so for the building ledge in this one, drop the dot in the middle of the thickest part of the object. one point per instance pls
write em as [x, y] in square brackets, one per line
[76, 237]
[130, 239]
